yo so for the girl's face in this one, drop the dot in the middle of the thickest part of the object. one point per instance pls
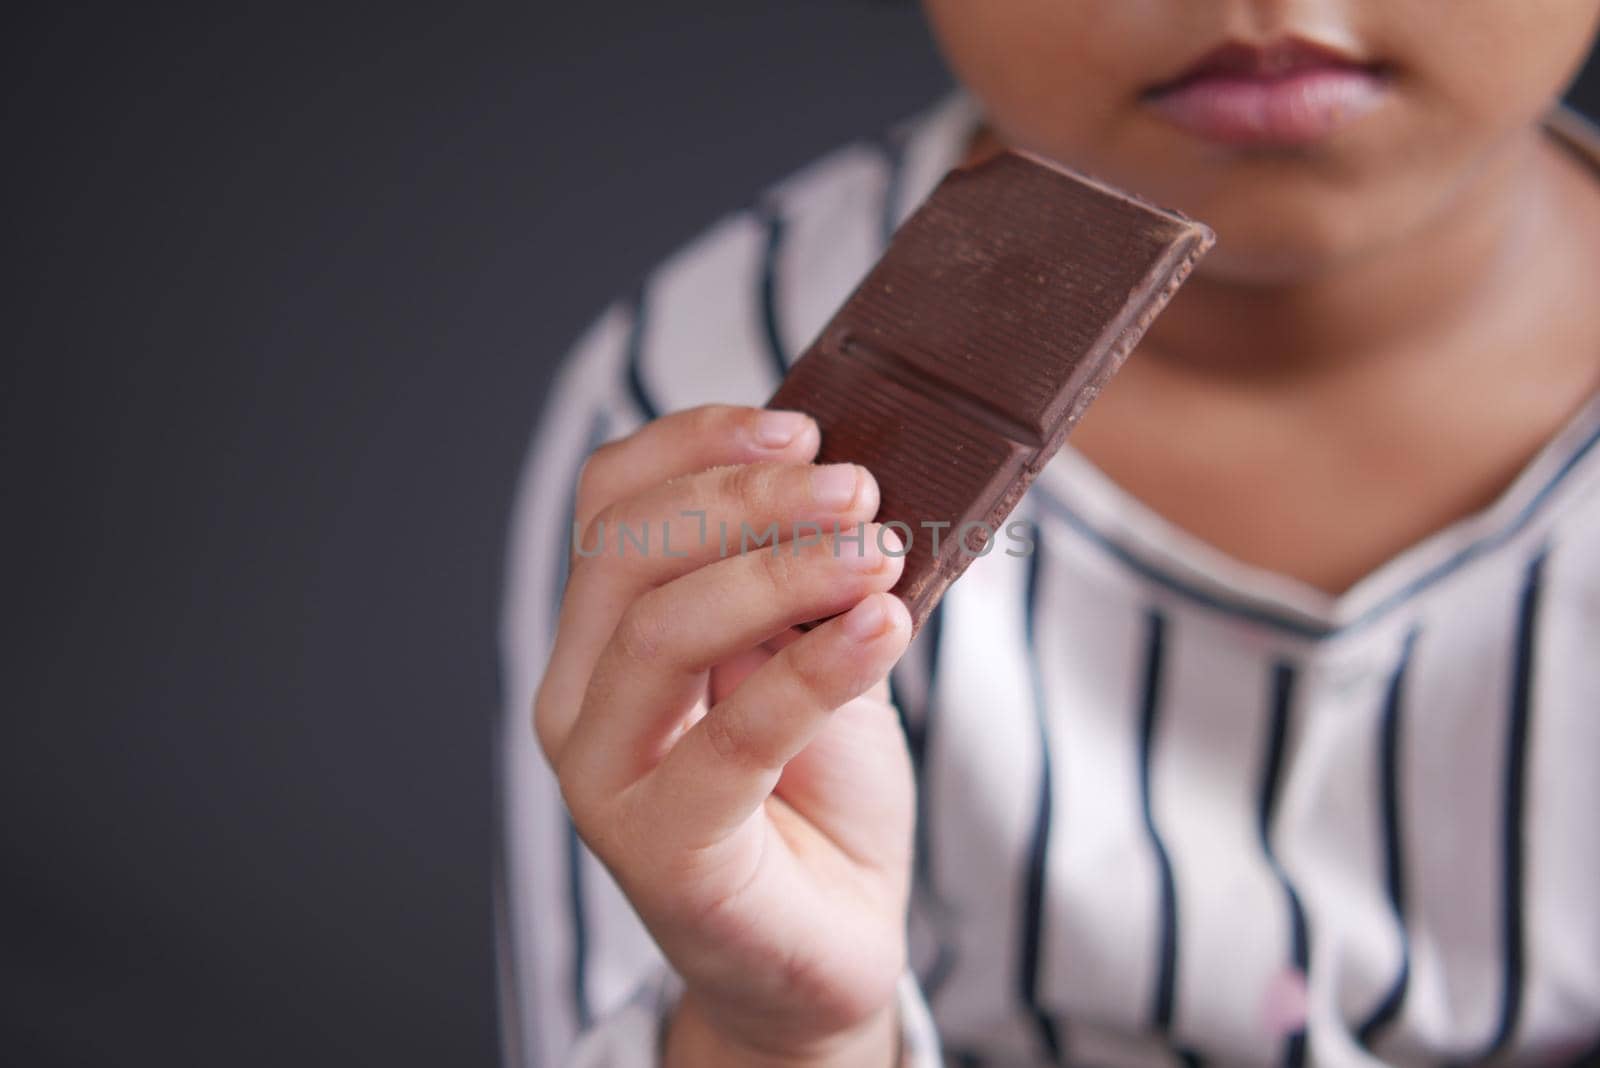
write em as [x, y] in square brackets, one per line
[1306, 132]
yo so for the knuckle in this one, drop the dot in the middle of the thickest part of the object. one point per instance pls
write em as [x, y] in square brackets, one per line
[590, 550]
[727, 741]
[583, 801]
[642, 632]
[777, 569]
[709, 420]
[593, 821]
[802, 974]
[812, 675]
[544, 725]
[573, 795]
[593, 475]
[599, 544]
[745, 486]
[624, 832]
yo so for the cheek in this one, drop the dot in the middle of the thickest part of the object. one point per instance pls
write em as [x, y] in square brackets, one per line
[1051, 75]
[1489, 66]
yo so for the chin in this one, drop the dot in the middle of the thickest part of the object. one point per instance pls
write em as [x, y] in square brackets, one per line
[1266, 249]
[1288, 233]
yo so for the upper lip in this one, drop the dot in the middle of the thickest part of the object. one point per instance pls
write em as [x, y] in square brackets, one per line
[1266, 60]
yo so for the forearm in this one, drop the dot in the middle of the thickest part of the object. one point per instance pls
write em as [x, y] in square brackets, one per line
[693, 1042]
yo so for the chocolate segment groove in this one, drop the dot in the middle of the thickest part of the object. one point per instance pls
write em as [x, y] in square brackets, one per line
[939, 392]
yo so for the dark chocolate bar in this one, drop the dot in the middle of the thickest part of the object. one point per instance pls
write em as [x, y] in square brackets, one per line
[956, 369]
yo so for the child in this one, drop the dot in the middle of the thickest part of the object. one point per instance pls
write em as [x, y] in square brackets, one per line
[1279, 748]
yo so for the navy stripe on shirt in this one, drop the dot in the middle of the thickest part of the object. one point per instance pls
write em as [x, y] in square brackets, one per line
[599, 430]
[919, 734]
[578, 918]
[776, 229]
[1164, 997]
[1513, 848]
[648, 409]
[1394, 868]
[1283, 683]
[1150, 704]
[1032, 933]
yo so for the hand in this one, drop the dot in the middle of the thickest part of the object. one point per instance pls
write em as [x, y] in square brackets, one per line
[747, 784]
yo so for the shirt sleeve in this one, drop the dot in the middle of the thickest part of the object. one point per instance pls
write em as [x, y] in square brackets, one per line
[634, 1036]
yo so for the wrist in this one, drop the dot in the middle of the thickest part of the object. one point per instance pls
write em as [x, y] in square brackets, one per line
[695, 1041]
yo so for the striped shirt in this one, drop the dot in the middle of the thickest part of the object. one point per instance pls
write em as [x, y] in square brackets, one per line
[1173, 809]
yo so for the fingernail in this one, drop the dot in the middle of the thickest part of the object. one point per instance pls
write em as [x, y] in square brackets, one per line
[834, 485]
[857, 551]
[866, 620]
[889, 542]
[774, 430]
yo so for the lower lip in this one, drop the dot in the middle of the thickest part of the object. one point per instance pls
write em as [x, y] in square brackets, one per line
[1284, 112]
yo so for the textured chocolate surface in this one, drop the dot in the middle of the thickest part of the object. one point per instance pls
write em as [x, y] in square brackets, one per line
[959, 365]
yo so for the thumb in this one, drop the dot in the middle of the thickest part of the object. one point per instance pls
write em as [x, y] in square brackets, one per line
[854, 782]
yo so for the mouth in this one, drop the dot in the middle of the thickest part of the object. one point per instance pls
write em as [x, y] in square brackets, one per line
[1285, 93]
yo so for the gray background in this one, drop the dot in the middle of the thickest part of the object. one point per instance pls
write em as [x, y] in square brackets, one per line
[284, 287]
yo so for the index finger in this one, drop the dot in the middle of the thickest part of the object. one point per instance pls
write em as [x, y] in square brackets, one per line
[685, 442]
